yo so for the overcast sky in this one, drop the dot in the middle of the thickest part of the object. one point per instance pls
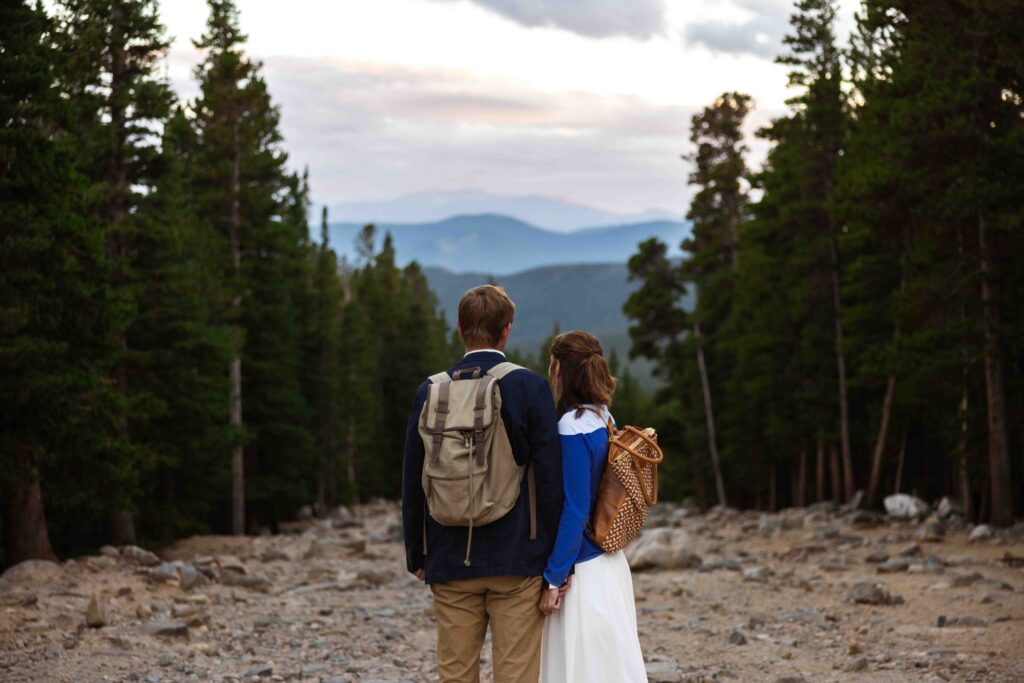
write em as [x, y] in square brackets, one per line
[585, 100]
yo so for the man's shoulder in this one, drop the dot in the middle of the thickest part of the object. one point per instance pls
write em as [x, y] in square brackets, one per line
[524, 377]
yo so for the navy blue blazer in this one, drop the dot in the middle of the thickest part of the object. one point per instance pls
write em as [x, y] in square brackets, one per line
[503, 547]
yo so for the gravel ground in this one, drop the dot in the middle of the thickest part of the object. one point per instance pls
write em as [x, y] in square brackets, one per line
[809, 595]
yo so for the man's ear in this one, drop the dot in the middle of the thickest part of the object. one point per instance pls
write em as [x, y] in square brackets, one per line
[506, 332]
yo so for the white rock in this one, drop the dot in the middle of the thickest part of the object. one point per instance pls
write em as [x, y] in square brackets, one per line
[905, 506]
[982, 532]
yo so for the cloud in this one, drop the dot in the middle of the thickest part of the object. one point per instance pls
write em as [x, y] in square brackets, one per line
[371, 131]
[759, 33]
[638, 19]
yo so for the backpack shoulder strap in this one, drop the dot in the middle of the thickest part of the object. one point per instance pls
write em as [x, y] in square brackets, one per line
[439, 378]
[500, 370]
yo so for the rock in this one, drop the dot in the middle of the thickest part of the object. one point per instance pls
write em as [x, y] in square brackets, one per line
[964, 580]
[374, 577]
[260, 670]
[163, 573]
[663, 548]
[929, 533]
[893, 565]
[29, 573]
[134, 553]
[96, 613]
[856, 502]
[190, 577]
[872, 593]
[110, 551]
[963, 622]
[311, 669]
[876, 557]
[18, 599]
[858, 664]
[982, 532]
[865, 518]
[662, 672]
[791, 679]
[905, 506]
[275, 555]
[166, 629]
[755, 574]
[250, 581]
[721, 563]
[948, 507]
[737, 638]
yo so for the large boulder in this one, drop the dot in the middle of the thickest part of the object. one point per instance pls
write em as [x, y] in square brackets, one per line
[663, 548]
[906, 506]
[30, 573]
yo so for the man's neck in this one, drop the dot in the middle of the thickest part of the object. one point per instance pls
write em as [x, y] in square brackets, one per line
[484, 350]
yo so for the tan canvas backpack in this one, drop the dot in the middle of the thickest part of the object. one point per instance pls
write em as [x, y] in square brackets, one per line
[470, 476]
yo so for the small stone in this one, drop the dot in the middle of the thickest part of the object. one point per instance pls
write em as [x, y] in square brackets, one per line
[250, 581]
[855, 648]
[190, 577]
[18, 599]
[893, 565]
[96, 613]
[737, 638]
[109, 551]
[755, 574]
[872, 593]
[963, 580]
[982, 532]
[966, 622]
[929, 533]
[260, 670]
[662, 672]
[166, 629]
[876, 557]
[858, 664]
[138, 555]
[904, 506]
[791, 679]
[311, 669]
[912, 550]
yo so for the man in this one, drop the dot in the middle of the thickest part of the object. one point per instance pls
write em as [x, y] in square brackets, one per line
[500, 582]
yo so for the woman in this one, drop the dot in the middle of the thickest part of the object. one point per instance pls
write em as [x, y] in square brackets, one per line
[590, 635]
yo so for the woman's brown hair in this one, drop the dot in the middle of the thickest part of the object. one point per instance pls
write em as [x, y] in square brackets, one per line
[584, 376]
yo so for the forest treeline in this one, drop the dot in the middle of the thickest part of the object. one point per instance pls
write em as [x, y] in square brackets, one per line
[178, 354]
[858, 324]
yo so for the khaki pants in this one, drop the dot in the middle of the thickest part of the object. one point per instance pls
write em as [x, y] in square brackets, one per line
[464, 608]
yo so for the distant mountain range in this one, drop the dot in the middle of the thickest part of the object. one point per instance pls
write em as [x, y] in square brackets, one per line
[546, 212]
[497, 244]
[586, 296]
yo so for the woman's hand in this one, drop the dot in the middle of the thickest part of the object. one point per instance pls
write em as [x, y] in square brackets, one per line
[550, 601]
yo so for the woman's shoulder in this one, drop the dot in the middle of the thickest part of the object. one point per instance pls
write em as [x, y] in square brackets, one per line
[587, 423]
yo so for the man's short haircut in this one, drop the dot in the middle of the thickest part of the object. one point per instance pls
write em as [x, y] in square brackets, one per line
[484, 312]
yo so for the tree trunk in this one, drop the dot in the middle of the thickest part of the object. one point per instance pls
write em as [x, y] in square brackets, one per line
[237, 457]
[844, 419]
[350, 458]
[998, 446]
[883, 432]
[837, 475]
[710, 416]
[819, 484]
[25, 534]
[800, 499]
[902, 458]
[121, 519]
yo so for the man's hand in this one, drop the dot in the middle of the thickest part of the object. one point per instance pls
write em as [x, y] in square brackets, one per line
[565, 587]
[420, 574]
[550, 601]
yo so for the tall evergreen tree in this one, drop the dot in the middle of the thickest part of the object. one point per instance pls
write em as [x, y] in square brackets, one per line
[113, 51]
[55, 309]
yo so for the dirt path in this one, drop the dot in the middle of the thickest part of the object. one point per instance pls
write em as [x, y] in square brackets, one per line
[765, 598]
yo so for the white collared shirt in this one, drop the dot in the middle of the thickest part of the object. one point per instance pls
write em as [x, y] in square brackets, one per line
[485, 351]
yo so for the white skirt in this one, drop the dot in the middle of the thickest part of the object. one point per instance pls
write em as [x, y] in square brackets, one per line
[593, 637]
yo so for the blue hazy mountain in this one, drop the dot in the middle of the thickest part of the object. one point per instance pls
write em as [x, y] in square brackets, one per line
[549, 213]
[500, 245]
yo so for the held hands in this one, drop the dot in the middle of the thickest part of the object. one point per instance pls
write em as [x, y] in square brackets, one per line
[550, 601]
[420, 574]
[551, 598]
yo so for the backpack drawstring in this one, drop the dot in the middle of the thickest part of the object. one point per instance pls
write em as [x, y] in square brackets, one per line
[469, 540]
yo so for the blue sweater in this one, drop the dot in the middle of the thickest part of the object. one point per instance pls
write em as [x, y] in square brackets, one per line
[503, 547]
[584, 455]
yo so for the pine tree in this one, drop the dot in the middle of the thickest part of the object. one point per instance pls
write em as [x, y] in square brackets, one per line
[54, 306]
[114, 50]
[238, 182]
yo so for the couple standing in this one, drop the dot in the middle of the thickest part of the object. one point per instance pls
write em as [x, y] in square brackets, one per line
[560, 609]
